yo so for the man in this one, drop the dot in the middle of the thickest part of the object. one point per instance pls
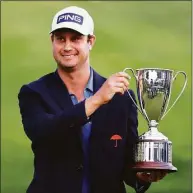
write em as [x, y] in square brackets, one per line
[73, 114]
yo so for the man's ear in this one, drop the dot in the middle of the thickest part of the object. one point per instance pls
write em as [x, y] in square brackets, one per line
[89, 46]
[52, 37]
[91, 41]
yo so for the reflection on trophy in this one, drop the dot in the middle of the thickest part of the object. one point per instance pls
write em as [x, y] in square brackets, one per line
[153, 150]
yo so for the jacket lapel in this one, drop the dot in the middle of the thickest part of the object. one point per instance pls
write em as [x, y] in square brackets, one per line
[59, 91]
[97, 81]
[99, 115]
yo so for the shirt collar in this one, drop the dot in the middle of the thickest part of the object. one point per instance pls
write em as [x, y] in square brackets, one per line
[89, 85]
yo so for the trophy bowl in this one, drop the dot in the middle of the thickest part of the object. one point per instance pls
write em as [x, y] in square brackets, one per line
[153, 150]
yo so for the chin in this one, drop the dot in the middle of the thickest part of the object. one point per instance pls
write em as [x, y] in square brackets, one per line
[67, 67]
[69, 63]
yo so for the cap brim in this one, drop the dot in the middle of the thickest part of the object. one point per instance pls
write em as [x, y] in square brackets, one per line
[72, 26]
[64, 28]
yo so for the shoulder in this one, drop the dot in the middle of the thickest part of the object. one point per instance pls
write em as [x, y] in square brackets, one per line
[38, 84]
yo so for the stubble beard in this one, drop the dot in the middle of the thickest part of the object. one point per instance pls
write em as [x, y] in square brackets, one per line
[65, 68]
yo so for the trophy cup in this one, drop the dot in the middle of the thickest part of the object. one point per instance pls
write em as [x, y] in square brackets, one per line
[153, 150]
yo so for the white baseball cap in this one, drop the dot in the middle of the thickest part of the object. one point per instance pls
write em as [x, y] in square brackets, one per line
[75, 18]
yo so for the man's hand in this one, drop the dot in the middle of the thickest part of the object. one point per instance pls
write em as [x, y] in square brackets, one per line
[116, 83]
[152, 176]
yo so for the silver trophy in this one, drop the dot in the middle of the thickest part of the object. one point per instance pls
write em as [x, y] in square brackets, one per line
[153, 150]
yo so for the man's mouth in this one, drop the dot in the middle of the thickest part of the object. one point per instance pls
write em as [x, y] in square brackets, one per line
[68, 56]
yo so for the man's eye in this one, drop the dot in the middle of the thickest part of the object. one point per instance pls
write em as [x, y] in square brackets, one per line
[60, 38]
[76, 38]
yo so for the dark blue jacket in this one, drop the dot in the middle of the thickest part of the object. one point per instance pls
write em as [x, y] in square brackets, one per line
[53, 124]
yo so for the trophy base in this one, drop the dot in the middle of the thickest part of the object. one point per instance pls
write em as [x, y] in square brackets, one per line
[153, 166]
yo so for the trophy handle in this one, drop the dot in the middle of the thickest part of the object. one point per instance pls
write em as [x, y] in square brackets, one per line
[185, 83]
[128, 91]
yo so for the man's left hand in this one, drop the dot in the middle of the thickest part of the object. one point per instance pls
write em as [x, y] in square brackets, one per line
[152, 176]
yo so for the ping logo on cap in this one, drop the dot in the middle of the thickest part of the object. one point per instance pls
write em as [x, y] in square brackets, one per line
[70, 17]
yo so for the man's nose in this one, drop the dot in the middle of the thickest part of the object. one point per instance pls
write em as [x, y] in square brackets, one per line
[67, 45]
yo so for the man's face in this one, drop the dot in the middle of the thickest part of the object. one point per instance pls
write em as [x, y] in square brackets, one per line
[71, 49]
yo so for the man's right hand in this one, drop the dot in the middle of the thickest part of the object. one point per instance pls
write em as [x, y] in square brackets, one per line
[116, 83]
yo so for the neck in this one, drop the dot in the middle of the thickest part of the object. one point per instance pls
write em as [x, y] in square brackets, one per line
[76, 80]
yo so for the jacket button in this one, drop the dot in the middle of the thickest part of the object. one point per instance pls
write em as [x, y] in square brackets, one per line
[79, 168]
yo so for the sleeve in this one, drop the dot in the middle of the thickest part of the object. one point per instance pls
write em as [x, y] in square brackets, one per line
[132, 136]
[38, 123]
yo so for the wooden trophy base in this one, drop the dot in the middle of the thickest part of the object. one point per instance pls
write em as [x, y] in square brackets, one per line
[153, 166]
